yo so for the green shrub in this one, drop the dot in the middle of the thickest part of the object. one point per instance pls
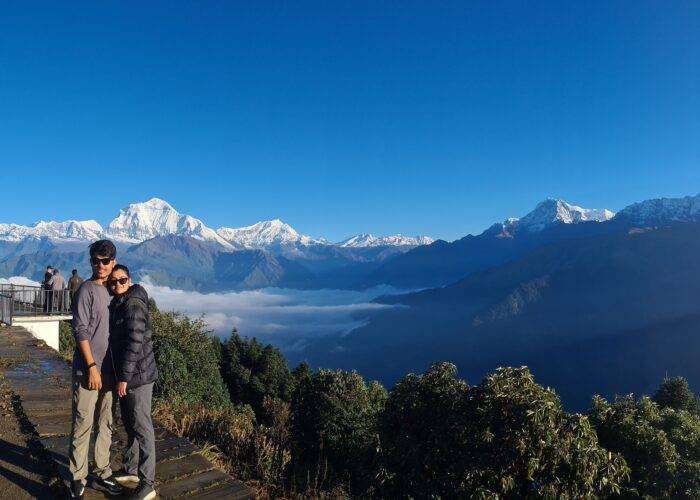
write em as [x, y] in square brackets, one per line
[334, 431]
[507, 436]
[66, 340]
[661, 445]
[188, 367]
[253, 372]
[675, 393]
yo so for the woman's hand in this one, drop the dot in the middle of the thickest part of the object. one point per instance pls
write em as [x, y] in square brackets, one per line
[121, 389]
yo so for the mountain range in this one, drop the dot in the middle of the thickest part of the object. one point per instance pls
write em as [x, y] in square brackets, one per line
[180, 250]
[610, 306]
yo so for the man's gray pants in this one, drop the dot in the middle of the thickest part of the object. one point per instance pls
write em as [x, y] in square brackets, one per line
[140, 454]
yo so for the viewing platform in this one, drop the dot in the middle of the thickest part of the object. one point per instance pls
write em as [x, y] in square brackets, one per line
[36, 309]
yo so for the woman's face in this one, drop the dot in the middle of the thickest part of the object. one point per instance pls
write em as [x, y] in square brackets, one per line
[118, 282]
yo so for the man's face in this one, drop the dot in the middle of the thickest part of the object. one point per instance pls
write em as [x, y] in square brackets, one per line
[102, 266]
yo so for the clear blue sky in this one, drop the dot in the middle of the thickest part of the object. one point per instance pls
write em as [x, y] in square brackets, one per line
[339, 117]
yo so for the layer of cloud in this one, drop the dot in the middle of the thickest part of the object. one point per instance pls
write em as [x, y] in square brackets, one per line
[287, 318]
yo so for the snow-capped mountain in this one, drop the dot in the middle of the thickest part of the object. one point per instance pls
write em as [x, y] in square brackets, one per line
[142, 221]
[266, 234]
[365, 240]
[662, 210]
[548, 212]
[69, 230]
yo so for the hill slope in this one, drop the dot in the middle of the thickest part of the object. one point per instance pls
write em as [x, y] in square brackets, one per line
[591, 298]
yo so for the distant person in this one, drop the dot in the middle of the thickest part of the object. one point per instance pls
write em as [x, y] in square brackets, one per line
[56, 284]
[93, 376]
[131, 334]
[74, 283]
[45, 286]
[47, 277]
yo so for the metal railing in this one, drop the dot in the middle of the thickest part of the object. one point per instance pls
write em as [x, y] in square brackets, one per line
[26, 300]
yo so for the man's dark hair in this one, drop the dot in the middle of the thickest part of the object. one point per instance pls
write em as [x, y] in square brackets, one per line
[103, 247]
[123, 268]
[74, 271]
[48, 267]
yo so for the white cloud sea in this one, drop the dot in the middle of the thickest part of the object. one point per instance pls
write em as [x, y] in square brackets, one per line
[285, 317]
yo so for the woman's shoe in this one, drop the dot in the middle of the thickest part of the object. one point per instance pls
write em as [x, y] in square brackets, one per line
[124, 477]
[144, 492]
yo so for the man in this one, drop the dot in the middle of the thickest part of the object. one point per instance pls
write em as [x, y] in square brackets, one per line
[93, 375]
[56, 284]
[45, 286]
[47, 276]
[74, 283]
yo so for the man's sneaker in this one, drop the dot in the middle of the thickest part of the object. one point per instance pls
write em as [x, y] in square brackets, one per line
[108, 485]
[124, 477]
[77, 489]
[144, 492]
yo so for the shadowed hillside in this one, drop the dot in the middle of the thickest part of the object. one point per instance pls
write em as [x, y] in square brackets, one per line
[587, 314]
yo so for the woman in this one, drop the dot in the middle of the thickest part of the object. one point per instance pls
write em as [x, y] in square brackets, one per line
[135, 367]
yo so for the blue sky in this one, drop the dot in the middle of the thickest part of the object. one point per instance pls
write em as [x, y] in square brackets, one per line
[339, 117]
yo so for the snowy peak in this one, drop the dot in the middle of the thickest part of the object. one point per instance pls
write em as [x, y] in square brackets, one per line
[553, 210]
[142, 221]
[662, 210]
[68, 230]
[547, 213]
[265, 234]
[368, 240]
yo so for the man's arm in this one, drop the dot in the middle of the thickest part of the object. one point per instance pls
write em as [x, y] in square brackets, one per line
[82, 307]
[94, 377]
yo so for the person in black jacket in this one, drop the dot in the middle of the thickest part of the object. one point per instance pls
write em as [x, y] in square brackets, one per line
[135, 367]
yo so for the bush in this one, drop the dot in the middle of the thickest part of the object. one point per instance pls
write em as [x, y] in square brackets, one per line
[505, 437]
[188, 368]
[675, 393]
[249, 451]
[334, 431]
[661, 445]
[66, 340]
[253, 372]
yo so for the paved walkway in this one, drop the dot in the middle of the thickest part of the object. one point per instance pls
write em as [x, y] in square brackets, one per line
[40, 381]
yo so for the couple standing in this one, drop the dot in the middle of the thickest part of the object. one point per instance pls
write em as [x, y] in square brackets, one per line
[113, 358]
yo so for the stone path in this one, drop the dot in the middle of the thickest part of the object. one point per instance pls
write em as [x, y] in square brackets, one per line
[23, 473]
[40, 380]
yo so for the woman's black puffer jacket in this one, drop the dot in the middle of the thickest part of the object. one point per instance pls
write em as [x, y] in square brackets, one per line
[130, 334]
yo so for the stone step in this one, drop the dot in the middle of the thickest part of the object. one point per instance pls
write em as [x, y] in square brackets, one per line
[169, 470]
[192, 484]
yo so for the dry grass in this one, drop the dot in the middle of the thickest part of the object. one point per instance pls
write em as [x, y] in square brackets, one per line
[231, 439]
